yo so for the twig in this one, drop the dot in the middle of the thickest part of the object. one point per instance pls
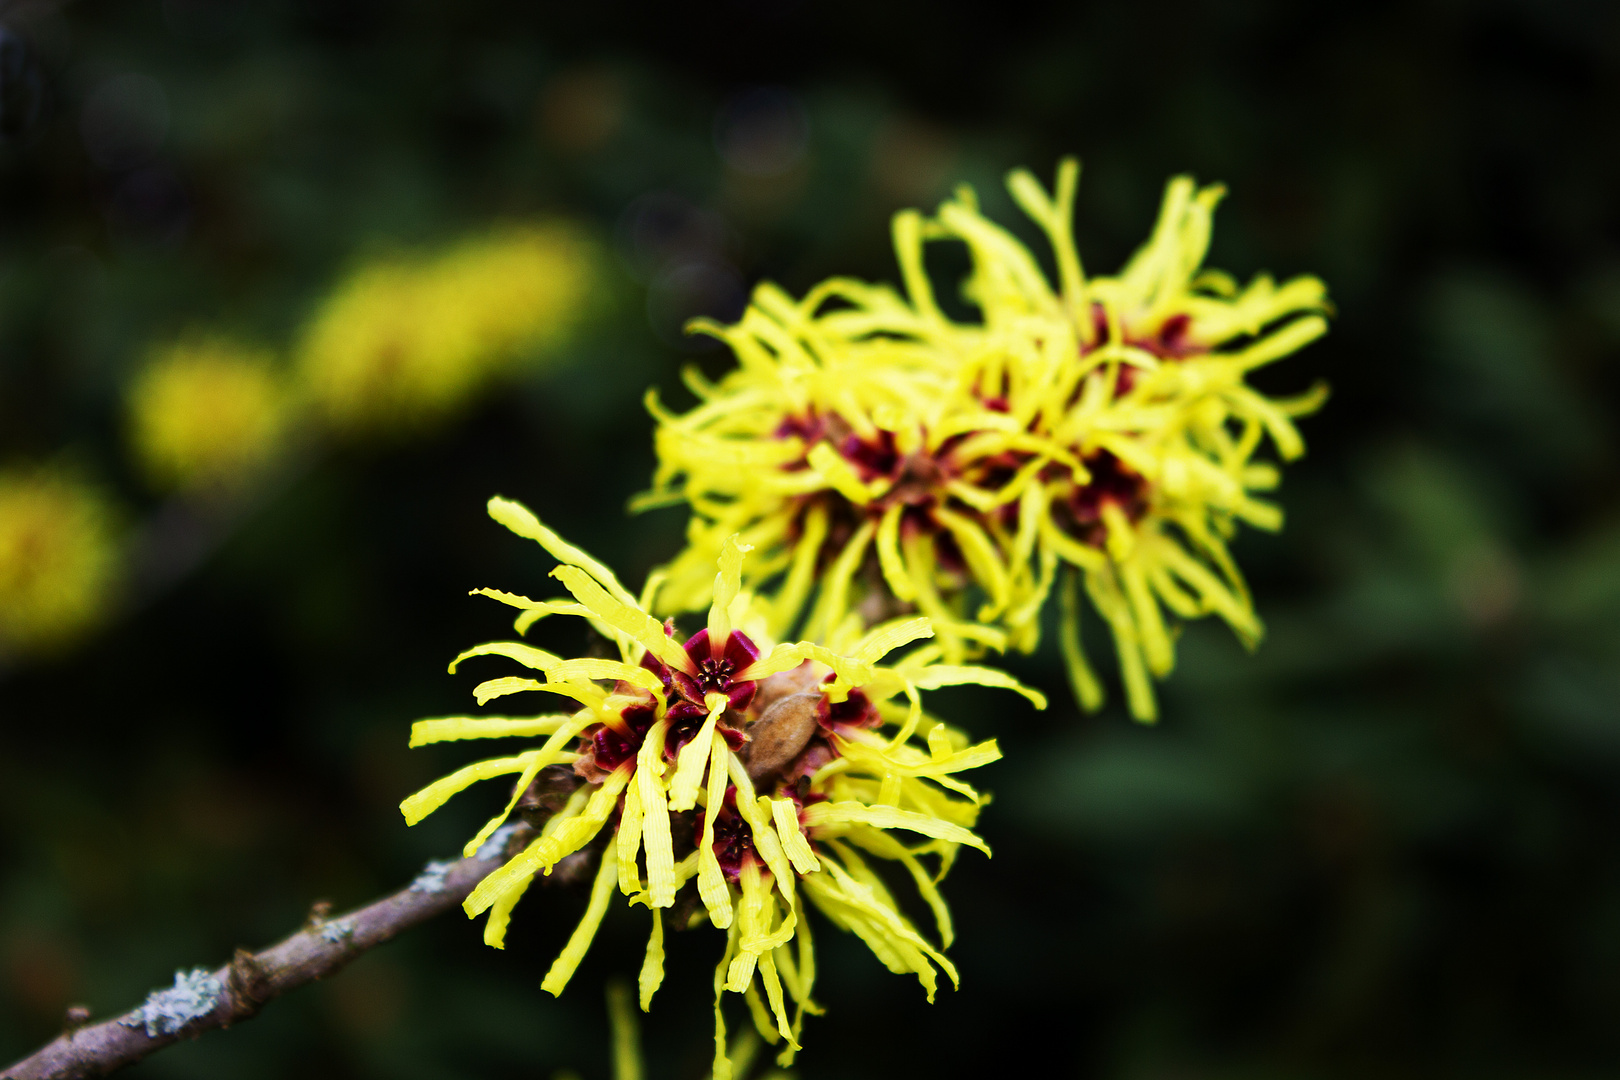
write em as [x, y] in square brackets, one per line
[202, 1000]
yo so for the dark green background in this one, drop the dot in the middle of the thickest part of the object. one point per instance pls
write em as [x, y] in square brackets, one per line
[1387, 844]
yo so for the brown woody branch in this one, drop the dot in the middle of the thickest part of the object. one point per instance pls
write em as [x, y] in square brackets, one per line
[204, 1000]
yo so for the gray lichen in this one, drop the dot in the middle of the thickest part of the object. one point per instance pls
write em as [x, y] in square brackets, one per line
[338, 930]
[496, 844]
[431, 879]
[192, 997]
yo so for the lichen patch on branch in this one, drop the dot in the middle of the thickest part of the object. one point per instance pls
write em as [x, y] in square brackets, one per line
[431, 879]
[193, 996]
[339, 930]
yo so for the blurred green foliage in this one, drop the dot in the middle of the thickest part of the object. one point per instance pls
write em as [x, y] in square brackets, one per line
[1385, 843]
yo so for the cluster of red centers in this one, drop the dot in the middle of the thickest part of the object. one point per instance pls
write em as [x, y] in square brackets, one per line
[710, 670]
[918, 479]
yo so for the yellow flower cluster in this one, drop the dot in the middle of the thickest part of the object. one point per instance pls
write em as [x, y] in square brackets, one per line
[883, 455]
[207, 413]
[884, 476]
[58, 560]
[405, 342]
[754, 775]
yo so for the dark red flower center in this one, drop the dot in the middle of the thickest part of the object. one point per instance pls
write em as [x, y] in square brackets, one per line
[733, 842]
[715, 675]
[612, 747]
[715, 671]
[1112, 483]
[856, 710]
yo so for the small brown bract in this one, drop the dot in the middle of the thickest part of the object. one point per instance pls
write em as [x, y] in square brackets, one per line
[778, 736]
[319, 912]
[773, 688]
[76, 1017]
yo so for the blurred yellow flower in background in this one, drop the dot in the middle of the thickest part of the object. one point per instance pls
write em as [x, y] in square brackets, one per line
[207, 412]
[407, 341]
[885, 455]
[58, 559]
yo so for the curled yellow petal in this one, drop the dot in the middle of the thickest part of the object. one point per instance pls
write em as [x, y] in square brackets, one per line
[562, 969]
[683, 786]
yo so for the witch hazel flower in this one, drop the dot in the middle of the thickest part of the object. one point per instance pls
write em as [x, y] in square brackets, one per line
[1092, 437]
[727, 779]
